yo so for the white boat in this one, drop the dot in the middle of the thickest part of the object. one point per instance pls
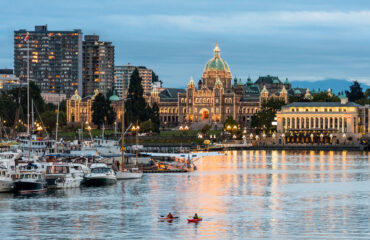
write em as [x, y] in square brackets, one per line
[7, 170]
[37, 147]
[65, 175]
[132, 173]
[100, 175]
[6, 181]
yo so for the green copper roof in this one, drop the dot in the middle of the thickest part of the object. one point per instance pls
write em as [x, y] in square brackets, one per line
[114, 97]
[217, 64]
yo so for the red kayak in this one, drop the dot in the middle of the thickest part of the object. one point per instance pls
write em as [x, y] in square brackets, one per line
[194, 219]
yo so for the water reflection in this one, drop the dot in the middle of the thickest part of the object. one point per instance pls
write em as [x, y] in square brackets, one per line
[254, 194]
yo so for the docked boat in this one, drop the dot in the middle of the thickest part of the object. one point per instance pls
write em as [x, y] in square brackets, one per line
[100, 175]
[29, 182]
[64, 175]
[6, 181]
[131, 173]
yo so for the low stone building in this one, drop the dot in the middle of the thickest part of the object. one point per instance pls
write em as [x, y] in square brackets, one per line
[322, 122]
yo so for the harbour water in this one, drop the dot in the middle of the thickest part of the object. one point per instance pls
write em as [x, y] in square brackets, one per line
[246, 194]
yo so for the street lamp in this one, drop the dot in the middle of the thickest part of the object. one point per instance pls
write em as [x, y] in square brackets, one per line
[283, 137]
[136, 129]
[344, 137]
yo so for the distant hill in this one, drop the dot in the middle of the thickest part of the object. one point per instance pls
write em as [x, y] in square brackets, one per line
[336, 85]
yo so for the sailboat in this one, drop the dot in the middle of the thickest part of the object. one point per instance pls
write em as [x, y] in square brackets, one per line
[29, 180]
[127, 173]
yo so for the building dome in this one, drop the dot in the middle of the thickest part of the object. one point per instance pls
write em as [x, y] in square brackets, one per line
[114, 97]
[75, 96]
[217, 63]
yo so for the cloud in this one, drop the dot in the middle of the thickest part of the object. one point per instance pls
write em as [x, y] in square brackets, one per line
[248, 21]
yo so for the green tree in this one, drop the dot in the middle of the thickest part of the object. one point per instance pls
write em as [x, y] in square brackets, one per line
[102, 111]
[7, 109]
[230, 121]
[136, 108]
[156, 120]
[355, 93]
[264, 118]
[324, 97]
[35, 96]
[49, 119]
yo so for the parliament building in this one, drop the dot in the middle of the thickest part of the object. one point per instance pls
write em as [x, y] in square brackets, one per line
[217, 96]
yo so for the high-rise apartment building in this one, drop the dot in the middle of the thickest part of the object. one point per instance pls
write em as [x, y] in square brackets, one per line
[98, 65]
[55, 59]
[123, 74]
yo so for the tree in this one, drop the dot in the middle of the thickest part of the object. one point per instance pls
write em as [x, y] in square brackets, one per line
[264, 118]
[49, 119]
[7, 109]
[102, 111]
[324, 97]
[355, 93]
[230, 121]
[35, 96]
[155, 120]
[137, 109]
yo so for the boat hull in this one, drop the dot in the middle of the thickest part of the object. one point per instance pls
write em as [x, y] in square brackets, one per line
[6, 186]
[61, 182]
[99, 181]
[128, 175]
[30, 187]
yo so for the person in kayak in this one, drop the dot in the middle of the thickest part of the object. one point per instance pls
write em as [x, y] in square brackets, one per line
[196, 216]
[169, 215]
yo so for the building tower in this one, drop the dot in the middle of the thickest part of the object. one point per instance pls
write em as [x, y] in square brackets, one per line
[56, 59]
[98, 65]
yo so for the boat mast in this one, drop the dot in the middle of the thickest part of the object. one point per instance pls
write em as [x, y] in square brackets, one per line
[123, 126]
[56, 130]
[28, 96]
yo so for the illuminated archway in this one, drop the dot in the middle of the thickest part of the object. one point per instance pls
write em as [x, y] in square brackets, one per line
[204, 113]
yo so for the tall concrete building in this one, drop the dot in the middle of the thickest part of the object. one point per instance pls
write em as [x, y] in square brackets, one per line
[98, 65]
[55, 59]
[123, 74]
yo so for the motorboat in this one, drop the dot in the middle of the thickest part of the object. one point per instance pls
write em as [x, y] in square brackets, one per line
[29, 182]
[130, 173]
[65, 175]
[100, 175]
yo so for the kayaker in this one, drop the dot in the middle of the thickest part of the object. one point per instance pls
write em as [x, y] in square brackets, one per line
[169, 215]
[196, 216]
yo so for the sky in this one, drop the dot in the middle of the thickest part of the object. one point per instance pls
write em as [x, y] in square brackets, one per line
[303, 40]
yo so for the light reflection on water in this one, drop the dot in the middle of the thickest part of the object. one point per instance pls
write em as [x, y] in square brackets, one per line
[246, 194]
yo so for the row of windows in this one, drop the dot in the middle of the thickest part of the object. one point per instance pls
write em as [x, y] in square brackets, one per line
[317, 110]
[315, 122]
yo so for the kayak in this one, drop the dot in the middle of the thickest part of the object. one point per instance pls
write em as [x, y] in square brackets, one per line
[194, 220]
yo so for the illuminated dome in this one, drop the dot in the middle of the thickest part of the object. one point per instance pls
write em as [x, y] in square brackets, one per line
[217, 63]
[75, 96]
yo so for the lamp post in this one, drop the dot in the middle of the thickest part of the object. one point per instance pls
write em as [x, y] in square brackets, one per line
[115, 128]
[283, 137]
[136, 129]
[321, 137]
[344, 137]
